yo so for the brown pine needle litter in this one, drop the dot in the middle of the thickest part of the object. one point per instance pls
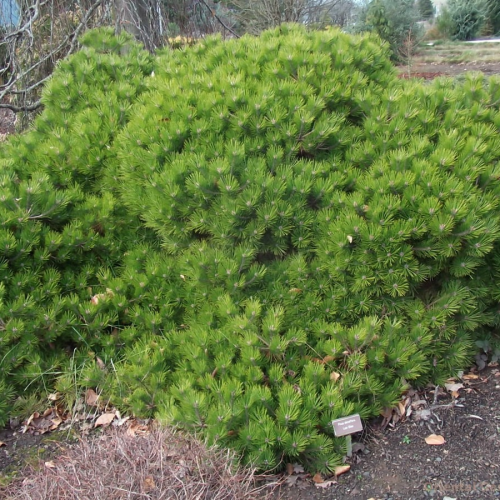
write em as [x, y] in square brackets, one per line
[159, 464]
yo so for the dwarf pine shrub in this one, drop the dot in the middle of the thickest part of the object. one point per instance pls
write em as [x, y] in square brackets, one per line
[250, 238]
[59, 228]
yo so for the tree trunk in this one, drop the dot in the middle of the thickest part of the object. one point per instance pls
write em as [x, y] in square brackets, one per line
[141, 18]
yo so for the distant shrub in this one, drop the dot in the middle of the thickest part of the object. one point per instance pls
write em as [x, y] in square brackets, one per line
[435, 34]
[445, 24]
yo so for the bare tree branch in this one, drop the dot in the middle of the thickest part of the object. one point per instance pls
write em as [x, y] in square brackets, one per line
[26, 59]
[256, 15]
[48, 30]
[202, 2]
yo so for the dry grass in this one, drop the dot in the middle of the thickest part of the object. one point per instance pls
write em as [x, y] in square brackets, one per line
[459, 52]
[161, 464]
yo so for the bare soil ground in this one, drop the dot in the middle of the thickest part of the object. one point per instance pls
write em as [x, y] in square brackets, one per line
[430, 70]
[396, 462]
[453, 59]
[391, 458]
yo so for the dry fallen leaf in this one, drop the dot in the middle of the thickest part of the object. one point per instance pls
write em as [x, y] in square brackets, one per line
[326, 484]
[149, 484]
[54, 396]
[424, 414]
[136, 428]
[50, 465]
[386, 412]
[298, 469]
[334, 376]
[470, 376]
[56, 422]
[104, 419]
[120, 421]
[295, 470]
[41, 424]
[318, 478]
[32, 417]
[100, 363]
[419, 402]
[453, 387]
[357, 447]
[435, 439]
[341, 469]
[402, 407]
[91, 397]
[291, 480]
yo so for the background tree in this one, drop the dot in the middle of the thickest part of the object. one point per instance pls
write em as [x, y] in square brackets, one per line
[467, 18]
[445, 23]
[408, 49]
[493, 12]
[392, 20]
[344, 13]
[375, 18]
[426, 9]
[142, 18]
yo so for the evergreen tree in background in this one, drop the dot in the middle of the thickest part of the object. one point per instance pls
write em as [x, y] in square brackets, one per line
[494, 15]
[467, 18]
[426, 9]
[392, 20]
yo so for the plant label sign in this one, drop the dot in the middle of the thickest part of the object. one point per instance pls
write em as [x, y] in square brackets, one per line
[347, 425]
